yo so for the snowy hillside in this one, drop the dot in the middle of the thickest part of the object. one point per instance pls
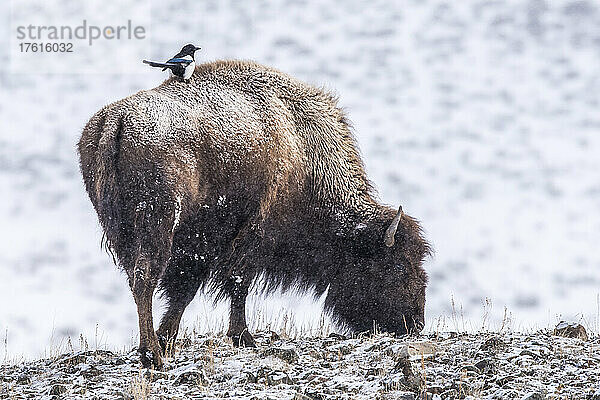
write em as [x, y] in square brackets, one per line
[480, 117]
[448, 366]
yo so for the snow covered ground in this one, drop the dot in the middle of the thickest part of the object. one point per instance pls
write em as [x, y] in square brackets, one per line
[479, 117]
[446, 366]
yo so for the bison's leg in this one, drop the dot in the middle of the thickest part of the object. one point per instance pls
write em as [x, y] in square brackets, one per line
[238, 330]
[143, 283]
[179, 284]
[152, 238]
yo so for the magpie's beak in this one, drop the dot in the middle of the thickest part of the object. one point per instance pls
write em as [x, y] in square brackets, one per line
[197, 48]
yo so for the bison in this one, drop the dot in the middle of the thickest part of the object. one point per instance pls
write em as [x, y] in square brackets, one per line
[244, 172]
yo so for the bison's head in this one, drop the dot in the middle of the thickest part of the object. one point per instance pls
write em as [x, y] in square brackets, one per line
[382, 282]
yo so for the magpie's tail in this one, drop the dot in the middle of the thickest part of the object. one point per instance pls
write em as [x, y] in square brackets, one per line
[156, 64]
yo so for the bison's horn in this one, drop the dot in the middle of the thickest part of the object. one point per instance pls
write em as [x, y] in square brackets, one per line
[391, 230]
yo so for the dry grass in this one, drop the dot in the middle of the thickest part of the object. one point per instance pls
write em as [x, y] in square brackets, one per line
[139, 388]
[286, 325]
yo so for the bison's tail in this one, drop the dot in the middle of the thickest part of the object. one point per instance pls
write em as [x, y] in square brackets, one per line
[99, 153]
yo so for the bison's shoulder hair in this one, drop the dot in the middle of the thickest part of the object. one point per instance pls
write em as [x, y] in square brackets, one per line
[325, 133]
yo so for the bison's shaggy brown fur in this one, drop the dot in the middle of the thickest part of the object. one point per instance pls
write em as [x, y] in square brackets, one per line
[244, 171]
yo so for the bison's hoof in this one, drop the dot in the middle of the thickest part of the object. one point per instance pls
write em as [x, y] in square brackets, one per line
[243, 339]
[150, 359]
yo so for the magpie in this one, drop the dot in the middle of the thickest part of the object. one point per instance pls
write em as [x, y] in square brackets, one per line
[182, 64]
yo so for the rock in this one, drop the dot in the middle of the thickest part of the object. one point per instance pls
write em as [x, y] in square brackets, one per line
[23, 379]
[250, 377]
[503, 380]
[570, 330]
[122, 395]
[337, 336]
[377, 371]
[89, 371]
[73, 360]
[153, 375]
[486, 366]
[314, 394]
[417, 351]
[57, 390]
[279, 377]
[100, 353]
[340, 349]
[266, 337]
[262, 376]
[286, 353]
[492, 344]
[119, 361]
[191, 377]
[300, 396]
[435, 389]
[449, 394]
[413, 381]
[398, 395]
[381, 344]
[529, 353]
[533, 396]
[469, 368]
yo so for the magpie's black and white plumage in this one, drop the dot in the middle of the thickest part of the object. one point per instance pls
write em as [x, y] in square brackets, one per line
[182, 64]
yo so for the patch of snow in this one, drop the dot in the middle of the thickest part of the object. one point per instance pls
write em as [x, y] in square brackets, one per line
[177, 216]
